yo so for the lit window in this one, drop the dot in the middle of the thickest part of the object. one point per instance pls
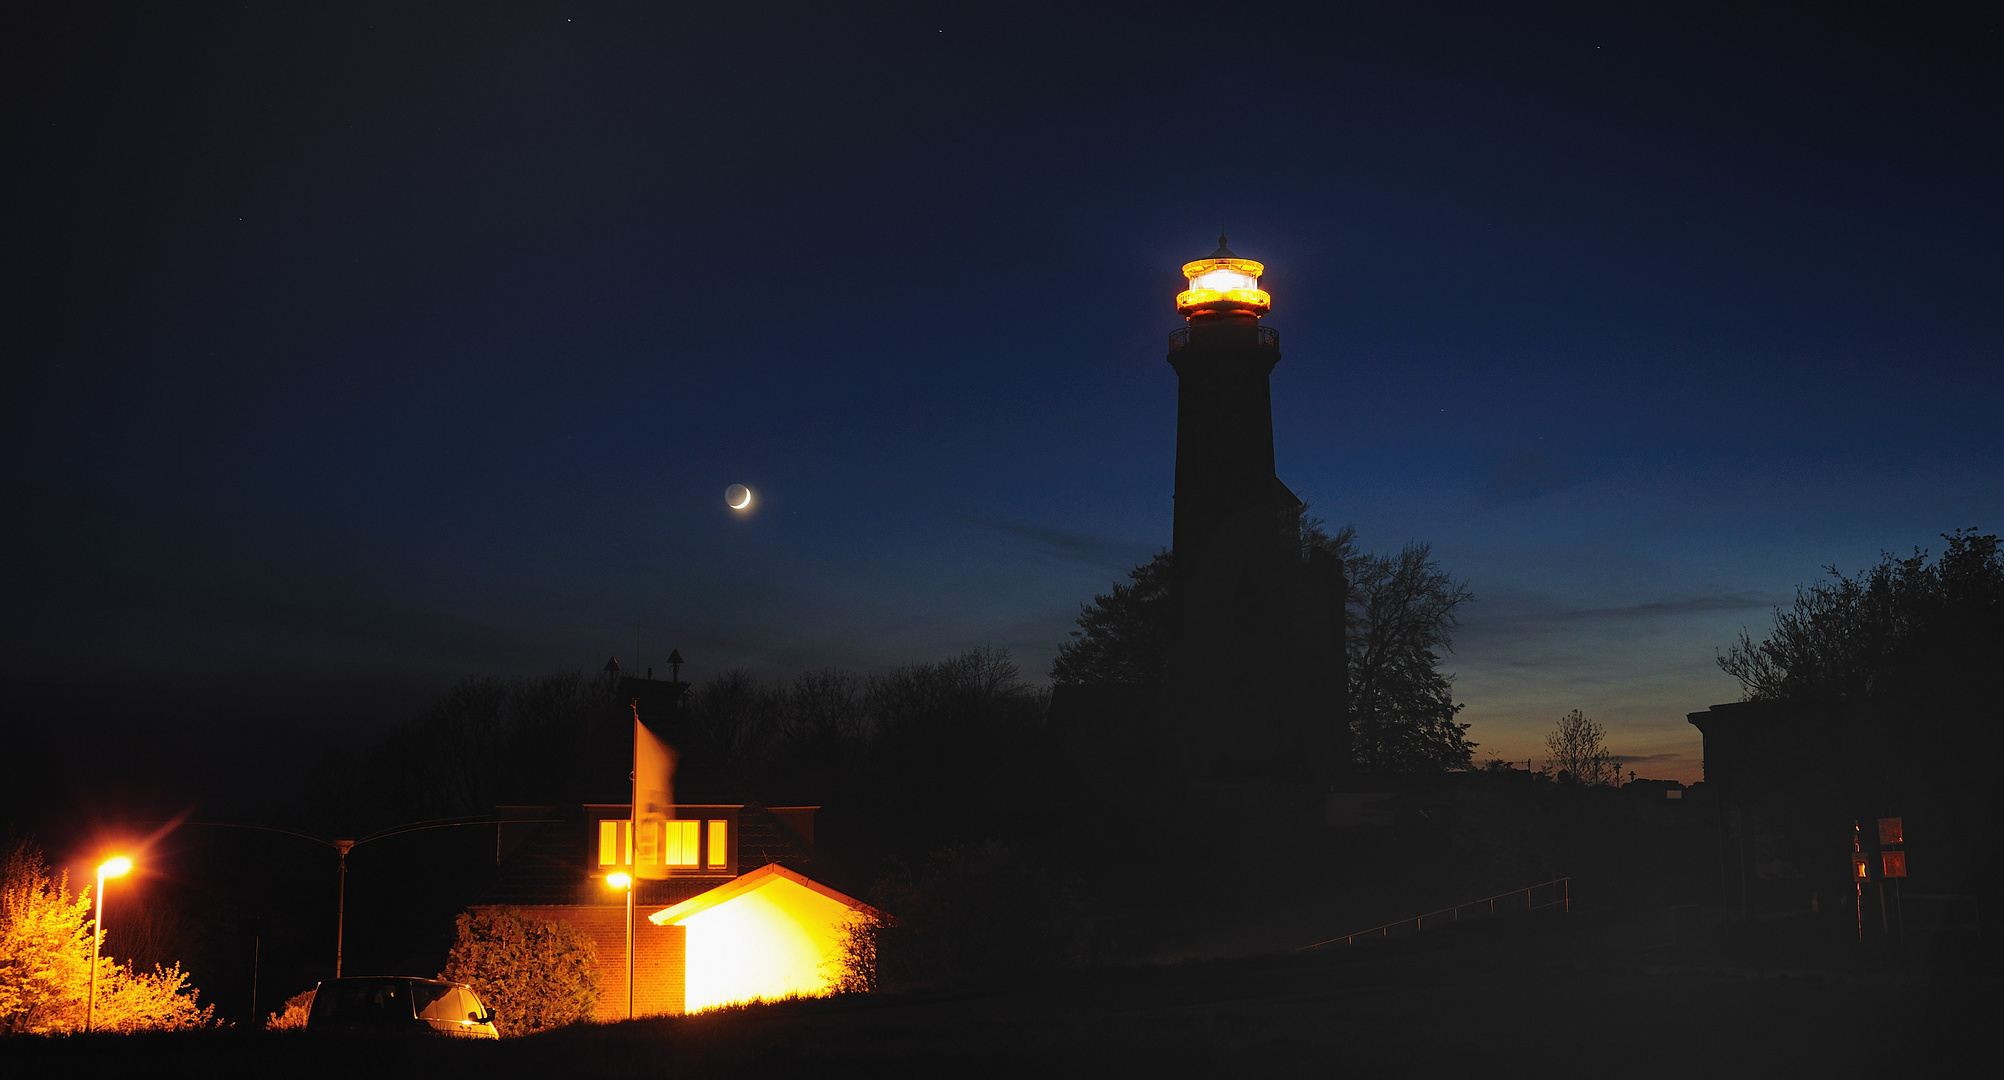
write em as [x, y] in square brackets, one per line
[608, 842]
[720, 843]
[683, 838]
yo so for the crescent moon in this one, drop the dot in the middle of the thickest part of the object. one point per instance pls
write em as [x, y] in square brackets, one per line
[737, 496]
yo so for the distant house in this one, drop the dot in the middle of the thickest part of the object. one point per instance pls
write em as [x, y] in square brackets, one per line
[710, 934]
[1797, 786]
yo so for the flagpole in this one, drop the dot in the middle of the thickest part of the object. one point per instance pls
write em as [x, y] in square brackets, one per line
[633, 835]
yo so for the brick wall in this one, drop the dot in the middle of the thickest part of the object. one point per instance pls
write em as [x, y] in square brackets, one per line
[660, 955]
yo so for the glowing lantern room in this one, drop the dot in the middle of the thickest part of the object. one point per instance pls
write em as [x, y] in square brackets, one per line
[1222, 285]
[767, 934]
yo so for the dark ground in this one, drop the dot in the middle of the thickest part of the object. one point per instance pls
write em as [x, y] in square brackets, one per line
[1552, 996]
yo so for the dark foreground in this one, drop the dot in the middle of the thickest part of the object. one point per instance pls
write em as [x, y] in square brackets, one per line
[1570, 996]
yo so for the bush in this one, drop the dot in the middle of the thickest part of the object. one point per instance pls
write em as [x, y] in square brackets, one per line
[293, 1016]
[45, 962]
[534, 973]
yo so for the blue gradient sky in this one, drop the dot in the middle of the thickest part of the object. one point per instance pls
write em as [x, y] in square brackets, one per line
[360, 350]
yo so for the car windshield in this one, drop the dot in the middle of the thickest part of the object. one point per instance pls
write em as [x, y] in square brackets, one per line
[455, 1005]
[364, 1001]
[423, 994]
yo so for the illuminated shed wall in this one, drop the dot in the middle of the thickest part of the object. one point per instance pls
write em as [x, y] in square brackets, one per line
[769, 942]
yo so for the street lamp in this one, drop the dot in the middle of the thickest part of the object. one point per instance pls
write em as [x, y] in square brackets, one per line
[117, 866]
[625, 881]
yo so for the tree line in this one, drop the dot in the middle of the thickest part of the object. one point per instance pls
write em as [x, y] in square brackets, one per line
[935, 734]
[1400, 617]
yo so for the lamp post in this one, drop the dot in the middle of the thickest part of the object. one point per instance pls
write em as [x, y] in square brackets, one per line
[343, 847]
[118, 866]
[625, 881]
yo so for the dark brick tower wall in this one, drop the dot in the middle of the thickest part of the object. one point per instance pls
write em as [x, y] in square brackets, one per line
[1258, 673]
[1228, 572]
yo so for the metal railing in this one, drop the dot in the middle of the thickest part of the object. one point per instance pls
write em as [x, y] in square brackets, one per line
[1266, 337]
[1562, 896]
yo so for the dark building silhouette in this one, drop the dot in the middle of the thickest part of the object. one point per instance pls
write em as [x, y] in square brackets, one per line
[1789, 781]
[1257, 677]
[1259, 667]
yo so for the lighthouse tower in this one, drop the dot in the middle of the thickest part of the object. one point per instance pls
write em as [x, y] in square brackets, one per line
[1259, 669]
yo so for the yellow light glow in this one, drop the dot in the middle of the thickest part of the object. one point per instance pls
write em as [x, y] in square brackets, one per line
[618, 881]
[775, 940]
[1223, 285]
[683, 837]
[720, 844]
[1223, 280]
[115, 867]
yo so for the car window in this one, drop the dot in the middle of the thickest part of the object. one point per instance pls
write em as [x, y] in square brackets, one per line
[424, 995]
[363, 1001]
[454, 1004]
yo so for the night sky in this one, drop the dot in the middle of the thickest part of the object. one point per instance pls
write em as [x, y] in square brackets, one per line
[351, 351]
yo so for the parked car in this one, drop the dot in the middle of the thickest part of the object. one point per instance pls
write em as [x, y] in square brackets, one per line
[386, 1003]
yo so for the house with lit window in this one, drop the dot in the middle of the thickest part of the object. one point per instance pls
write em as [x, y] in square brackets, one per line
[737, 918]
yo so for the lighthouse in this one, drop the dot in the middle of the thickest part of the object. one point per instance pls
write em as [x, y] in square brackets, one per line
[1259, 672]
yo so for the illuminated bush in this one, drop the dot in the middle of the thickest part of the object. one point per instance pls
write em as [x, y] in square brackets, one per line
[45, 961]
[293, 1015]
[534, 973]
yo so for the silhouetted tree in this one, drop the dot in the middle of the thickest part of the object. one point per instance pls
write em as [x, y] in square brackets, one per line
[485, 741]
[955, 737]
[1401, 618]
[822, 712]
[1401, 621]
[733, 717]
[816, 744]
[1124, 636]
[1577, 750]
[1842, 636]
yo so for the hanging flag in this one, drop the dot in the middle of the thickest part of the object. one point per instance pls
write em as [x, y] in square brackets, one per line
[653, 800]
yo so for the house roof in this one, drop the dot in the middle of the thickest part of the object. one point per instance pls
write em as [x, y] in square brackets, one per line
[744, 883]
[763, 838]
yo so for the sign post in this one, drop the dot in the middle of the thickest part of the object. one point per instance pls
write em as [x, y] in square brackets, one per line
[1892, 864]
[1861, 868]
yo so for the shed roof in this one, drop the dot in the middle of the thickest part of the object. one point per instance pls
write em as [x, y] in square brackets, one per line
[745, 883]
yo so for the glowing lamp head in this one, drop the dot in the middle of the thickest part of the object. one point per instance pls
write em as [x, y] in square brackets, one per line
[618, 881]
[115, 867]
[1221, 284]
